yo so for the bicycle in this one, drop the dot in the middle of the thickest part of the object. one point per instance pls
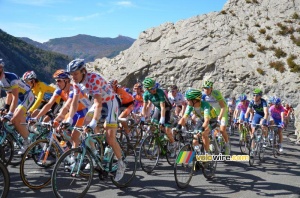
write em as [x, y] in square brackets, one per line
[274, 139]
[244, 141]
[4, 177]
[231, 125]
[75, 178]
[156, 144]
[39, 158]
[12, 141]
[186, 163]
[256, 145]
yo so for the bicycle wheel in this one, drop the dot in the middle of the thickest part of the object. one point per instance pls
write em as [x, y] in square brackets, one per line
[129, 158]
[275, 145]
[149, 154]
[209, 168]
[4, 180]
[37, 163]
[8, 150]
[252, 152]
[261, 150]
[183, 169]
[243, 142]
[65, 180]
[16, 158]
[137, 134]
[171, 157]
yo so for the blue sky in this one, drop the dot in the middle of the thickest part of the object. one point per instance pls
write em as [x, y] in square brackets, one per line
[42, 20]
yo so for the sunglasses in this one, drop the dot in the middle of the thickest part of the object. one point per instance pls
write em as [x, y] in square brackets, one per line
[58, 81]
[254, 95]
[151, 89]
[174, 90]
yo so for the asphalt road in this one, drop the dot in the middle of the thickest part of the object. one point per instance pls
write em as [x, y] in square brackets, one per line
[275, 177]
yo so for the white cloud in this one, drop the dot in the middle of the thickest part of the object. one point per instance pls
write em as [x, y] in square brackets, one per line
[76, 18]
[125, 3]
[37, 2]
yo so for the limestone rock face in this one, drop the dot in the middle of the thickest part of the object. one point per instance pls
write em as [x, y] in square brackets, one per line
[236, 46]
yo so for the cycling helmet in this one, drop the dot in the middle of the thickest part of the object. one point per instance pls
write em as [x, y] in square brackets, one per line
[148, 83]
[29, 75]
[157, 85]
[2, 62]
[243, 97]
[193, 94]
[75, 65]
[257, 91]
[207, 84]
[127, 89]
[113, 83]
[62, 74]
[271, 100]
[276, 100]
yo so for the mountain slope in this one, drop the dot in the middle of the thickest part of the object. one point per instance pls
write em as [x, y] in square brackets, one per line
[89, 47]
[20, 57]
[250, 43]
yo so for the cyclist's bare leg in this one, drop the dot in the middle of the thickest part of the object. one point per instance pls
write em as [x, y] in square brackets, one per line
[111, 140]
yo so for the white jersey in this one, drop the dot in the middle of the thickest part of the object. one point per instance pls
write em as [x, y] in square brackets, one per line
[177, 100]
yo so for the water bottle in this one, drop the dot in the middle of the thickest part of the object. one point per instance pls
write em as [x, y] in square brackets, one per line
[197, 149]
[64, 145]
[108, 153]
[211, 148]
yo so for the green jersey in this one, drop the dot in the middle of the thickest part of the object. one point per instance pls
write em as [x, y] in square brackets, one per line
[204, 111]
[157, 98]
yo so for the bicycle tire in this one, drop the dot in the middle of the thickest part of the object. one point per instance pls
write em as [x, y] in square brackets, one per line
[34, 174]
[184, 172]
[62, 174]
[179, 144]
[6, 179]
[16, 158]
[8, 149]
[261, 151]
[209, 168]
[252, 156]
[275, 145]
[130, 159]
[149, 154]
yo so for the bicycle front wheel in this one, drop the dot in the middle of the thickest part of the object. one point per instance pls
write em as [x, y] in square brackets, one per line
[184, 166]
[4, 180]
[171, 156]
[130, 160]
[69, 176]
[37, 163]
[252, 151]
[149, 154]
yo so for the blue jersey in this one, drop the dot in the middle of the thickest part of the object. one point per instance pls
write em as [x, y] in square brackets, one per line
[258, 108]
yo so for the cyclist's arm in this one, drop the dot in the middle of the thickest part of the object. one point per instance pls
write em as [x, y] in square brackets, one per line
[236, 113]
[47, 107]
[247, 113]
[266, 112]
[206, 122]
[223, 106]
[8, 98]
[64, 110]
[14, 99]
[163, 109]
[37, 101]
[98, 107]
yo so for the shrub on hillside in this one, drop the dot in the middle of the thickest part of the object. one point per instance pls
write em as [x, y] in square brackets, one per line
[278, 65]
[295, 16]
[260, 71]
[251, 39]
[279, 53]
[251, 55]
[262, 31]
[292, 65]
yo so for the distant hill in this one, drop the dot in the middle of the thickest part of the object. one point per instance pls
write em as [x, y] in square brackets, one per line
[85, 46]
[20, 57]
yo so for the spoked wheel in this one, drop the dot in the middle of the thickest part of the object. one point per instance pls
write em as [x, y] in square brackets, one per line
[183, 167]
[130, 160]
[149, 154]
[4, 180]
[37, 164]
[244, 143]
[275, 145]
[70, 176]
[171, 156]
[252, 151]
[261, 151]
[8, 151]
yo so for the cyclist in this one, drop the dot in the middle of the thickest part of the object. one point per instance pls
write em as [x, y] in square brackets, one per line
[105, 105]
[287, 112]
[217, 101]
[138, 97]
[177, 100]
[162, 110]
[66, 93]
[231, 107]
[260, 109]
[16, 89]
[202, 110]
[277, 114]
[41, 91]
[126, 104]
[240, 111]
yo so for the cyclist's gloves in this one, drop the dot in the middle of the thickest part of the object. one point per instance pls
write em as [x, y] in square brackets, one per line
[32, 120]
[142, 121]
[264, 122]
[92, 124]
[67, 123]
[281, 124]
[8, 116]
[162, 120]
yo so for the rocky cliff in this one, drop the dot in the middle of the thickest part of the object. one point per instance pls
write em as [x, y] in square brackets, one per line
[249, 43]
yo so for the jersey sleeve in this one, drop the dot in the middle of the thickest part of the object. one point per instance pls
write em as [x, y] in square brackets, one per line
[217, 95]
[189, 109]
[39, 98]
